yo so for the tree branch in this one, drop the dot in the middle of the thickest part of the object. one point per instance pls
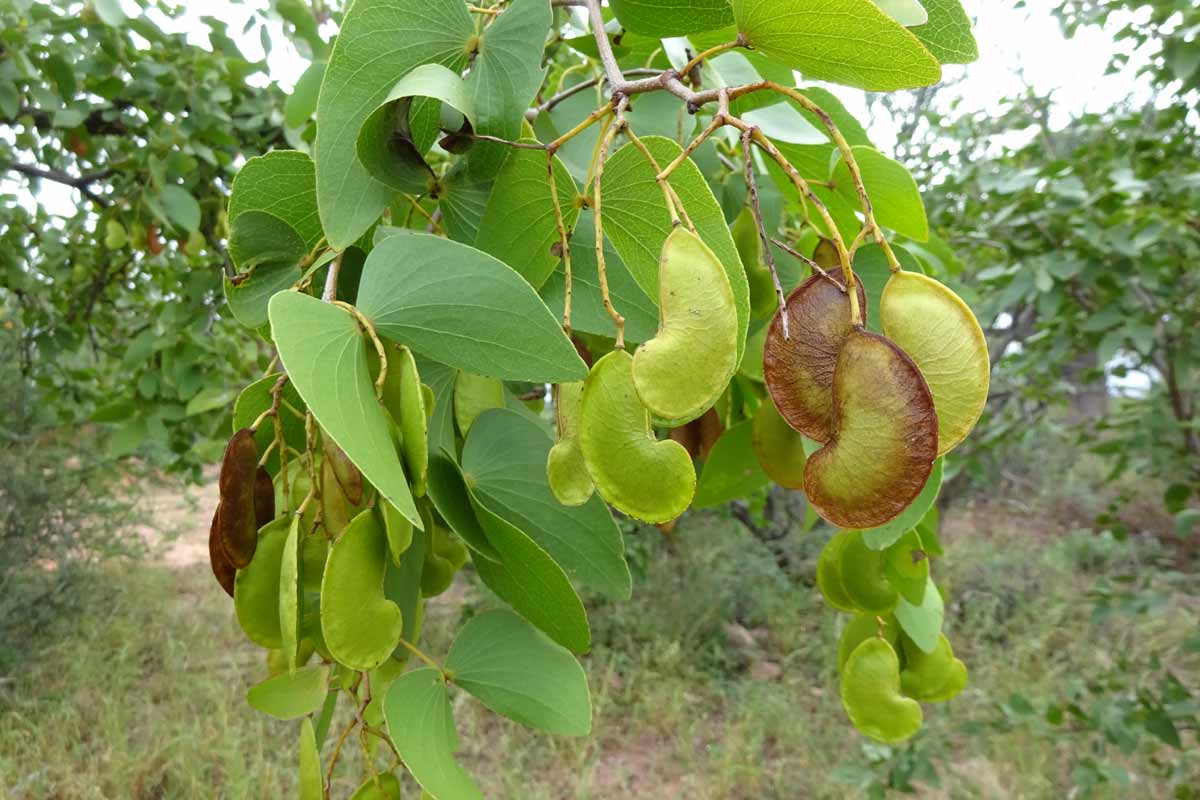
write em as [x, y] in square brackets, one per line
[82, 183]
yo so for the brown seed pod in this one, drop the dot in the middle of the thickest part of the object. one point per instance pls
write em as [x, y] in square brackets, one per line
[799, 370]
[885, 436]
[238, 523]
[153, 243]
[264, 497]
[344, 472]
[222, 569]
[699, 435]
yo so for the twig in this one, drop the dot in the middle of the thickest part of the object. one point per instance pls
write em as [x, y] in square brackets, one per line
[563, 242]
[740, 41]
[817, 267]
[748, 157]
[582, 86]
[82, 183]
[601, 270]
[331, 280]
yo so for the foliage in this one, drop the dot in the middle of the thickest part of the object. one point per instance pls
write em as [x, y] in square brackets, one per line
[117, 307]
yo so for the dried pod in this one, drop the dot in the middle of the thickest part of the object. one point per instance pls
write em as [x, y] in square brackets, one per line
[884, 436]
[224, 572]
[264, 497]
[799, 370]
[344, 472]
[238, 522]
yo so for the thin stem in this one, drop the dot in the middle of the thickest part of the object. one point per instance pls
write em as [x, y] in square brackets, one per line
[599, 113]
[814, 265]
[748, 157]
[563, 242]
[337, 753]
[262, 461]
[417, 207]
[663, 184]
[740, 41]
[379, 349]
[848, 156]
[483, 137]
[597, 216]
[582, 86]
[421, 655]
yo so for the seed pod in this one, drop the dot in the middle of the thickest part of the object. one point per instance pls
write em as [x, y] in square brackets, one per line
[566, 471]
[871, 694]
[932, 677]
[238, 521]
[264, 497]
[799, 370]
[826, 255]
[344, 472]
[682, 371]
[884, 438]
[224, 572]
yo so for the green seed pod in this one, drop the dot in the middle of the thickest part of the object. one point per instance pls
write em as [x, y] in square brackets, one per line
[870, 692]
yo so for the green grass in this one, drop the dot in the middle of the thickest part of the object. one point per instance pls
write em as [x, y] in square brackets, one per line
[141, 695]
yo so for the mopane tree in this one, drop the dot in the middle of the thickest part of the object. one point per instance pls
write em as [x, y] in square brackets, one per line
[652, 210]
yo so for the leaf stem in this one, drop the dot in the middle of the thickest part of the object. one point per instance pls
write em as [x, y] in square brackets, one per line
[421, 655]
[379, 349]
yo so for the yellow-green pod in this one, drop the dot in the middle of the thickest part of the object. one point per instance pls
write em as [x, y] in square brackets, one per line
[778, 447]
[312, 787]
[863, 627]
[398, 529]
[473, 395]
[682, 371]
[361, 627]
[404, 398]
[383, 786]
[870, 692]
[940, 334]
[749, 246]
[932, 677]
[864, 577]
[256, 588]
[643, 477]
[829, 574]
[566, 471]
[290, 594]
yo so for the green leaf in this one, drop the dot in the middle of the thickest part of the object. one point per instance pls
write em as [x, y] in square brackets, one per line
[181, 208]
[325, 356]
[907, 567]
[923, 623]
[312, 786]
[519, 225]
[679, 18]
[451, 497]
[421, 725]
[110, 12]
[283, 184]
[392, 158]
[850, 42]
[893, 192]
[515, 670]
[505, 76]
[440, 379]
[290, 696]
[256, 587]
[504, 461]
[380, 41]
[888, 533]
[637, 223]
[463, 200]
[464, 308]
[731, 469]
[302, 102]
[531, 582]
[907, 12]
[661, 114]
[268, 252]
[948, 34]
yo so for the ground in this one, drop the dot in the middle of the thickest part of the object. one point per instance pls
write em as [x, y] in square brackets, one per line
[716, 681]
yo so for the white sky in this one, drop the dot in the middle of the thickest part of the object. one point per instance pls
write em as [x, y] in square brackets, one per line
[1016, 46]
